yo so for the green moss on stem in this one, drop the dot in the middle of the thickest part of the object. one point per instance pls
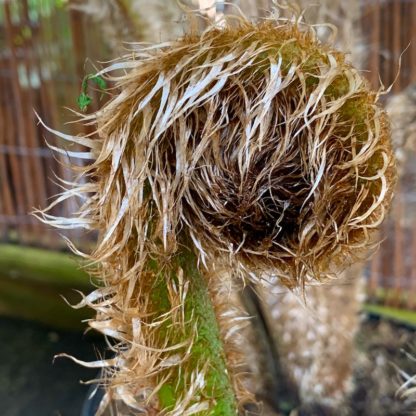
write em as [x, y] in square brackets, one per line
[207, 349]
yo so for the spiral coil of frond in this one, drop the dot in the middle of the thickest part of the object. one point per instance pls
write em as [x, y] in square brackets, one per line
[253, 145]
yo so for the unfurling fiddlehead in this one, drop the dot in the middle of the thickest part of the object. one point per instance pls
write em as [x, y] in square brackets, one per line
[252, 148]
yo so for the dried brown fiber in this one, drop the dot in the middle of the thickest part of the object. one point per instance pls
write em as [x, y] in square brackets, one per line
[254, 144]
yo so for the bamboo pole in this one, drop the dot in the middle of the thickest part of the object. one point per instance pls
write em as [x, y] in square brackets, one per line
[32, 282]
[42, 267]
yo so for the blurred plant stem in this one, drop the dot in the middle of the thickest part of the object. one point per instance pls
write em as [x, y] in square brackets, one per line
[200, 330]
[33, 282]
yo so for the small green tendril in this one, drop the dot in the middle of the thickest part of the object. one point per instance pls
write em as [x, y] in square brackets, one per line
[84, 100]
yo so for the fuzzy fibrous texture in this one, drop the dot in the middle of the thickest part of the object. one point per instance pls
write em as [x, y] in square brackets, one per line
[256, 146]
[316, 339]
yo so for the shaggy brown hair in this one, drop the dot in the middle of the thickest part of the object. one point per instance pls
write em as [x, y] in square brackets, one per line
[253, 143]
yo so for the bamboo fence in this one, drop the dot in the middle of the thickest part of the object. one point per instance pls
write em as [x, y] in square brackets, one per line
[389, 28]
[42, 62]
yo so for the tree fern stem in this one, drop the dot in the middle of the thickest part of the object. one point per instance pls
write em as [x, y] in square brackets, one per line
[206, 357]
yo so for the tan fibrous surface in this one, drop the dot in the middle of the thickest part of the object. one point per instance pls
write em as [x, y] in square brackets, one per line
[257, 143]
[402, 111]
[234, 325]
[315, 335]
[401, 108]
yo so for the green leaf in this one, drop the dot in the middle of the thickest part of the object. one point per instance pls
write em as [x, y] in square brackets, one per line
[101, 84]
[83, 101]
[167, 396]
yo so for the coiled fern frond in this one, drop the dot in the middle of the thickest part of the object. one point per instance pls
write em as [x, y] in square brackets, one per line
[248, 147]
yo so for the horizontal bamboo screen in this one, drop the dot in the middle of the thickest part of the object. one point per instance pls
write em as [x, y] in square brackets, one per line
[43, 52]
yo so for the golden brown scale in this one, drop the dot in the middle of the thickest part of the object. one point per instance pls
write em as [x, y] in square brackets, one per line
[258, 113]
[315, 336]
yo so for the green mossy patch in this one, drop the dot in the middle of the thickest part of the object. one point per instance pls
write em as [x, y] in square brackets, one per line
[207, 346]
[403, 316]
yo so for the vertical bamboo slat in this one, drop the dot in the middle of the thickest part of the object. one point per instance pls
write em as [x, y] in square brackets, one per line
[413, 40]
[397, 47]
[374, 61]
